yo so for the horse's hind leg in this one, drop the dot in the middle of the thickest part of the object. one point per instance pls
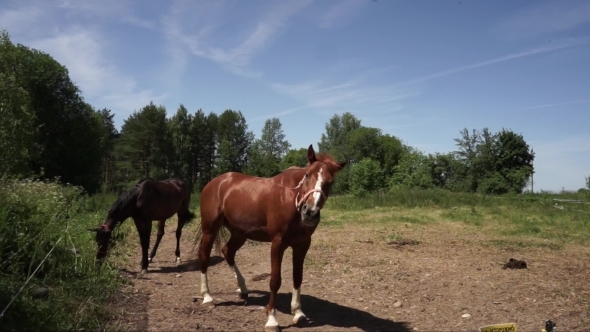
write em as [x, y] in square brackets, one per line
[229, 252]
[161, 224]
[179, 227]
[207, 240]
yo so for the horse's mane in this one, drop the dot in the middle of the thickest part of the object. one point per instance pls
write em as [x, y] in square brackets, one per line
[124, 200]
[143, 180]
[329, 160]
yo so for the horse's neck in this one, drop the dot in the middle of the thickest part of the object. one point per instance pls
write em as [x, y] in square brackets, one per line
[115, 221]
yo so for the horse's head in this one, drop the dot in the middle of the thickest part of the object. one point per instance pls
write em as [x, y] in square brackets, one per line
[102, 238]
[315, 186]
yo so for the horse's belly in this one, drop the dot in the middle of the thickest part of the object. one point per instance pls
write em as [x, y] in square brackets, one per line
[258, 235]
[251, 228]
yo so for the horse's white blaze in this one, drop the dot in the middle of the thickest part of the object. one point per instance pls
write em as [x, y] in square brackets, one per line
[205, 289]
[241, 281]
[318, 187]
[272, 321]
[296, 305]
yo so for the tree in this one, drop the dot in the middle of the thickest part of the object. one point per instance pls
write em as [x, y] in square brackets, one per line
[335, 139]
[66, 131]
[413, 171]
[266, 153]
[494, 163]
[294, 158]
[107, 142]
[182, 161]
[206, 127]
[366, 176]
[17, 130]
[514, 160]
[234, 140]
[143, 148]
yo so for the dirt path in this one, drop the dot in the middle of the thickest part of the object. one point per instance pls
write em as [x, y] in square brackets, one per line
[355, 281]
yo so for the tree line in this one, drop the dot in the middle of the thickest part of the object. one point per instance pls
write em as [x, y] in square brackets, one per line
[48, 130]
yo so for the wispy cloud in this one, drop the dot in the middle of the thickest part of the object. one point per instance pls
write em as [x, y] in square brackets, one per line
[119, 10]
[77, 44]
[346, 94]
[569, 43]
[543, 19]
[80, 50]
[236, 58]
[340, 11]
[553, 105]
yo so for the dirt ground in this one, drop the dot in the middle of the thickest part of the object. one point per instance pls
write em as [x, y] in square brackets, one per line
[441, 278]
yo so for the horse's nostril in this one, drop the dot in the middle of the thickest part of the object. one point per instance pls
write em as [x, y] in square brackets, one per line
[304, 209]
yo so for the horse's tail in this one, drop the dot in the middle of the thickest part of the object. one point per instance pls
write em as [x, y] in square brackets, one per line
[221, 239]
[189, 216]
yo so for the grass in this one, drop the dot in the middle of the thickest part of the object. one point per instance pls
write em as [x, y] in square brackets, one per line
[516, 220]
[44, 225]
[37, 217]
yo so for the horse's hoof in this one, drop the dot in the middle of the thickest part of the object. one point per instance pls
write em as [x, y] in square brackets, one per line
[209, 304]
[299, 318]
[143, 271]
[243, 296]
[272, 328]
[178, 260]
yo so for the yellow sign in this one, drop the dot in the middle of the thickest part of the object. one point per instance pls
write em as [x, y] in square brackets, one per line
[507, 327]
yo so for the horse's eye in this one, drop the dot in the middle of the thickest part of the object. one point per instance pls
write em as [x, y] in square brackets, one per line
[307, 176]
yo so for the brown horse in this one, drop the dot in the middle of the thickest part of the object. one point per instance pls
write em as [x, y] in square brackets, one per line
[148, 200]
[283, 210]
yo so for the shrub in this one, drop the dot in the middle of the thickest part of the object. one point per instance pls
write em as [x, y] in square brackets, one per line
[44, 245]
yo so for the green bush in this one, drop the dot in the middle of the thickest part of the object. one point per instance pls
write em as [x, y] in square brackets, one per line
[45, 245]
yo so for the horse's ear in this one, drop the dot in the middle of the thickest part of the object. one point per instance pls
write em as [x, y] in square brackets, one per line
[95, 229]
[342, 164]
[311, 155]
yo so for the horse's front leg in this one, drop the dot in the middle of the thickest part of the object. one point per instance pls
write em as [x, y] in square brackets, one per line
[161, 226]
[299, 252]
[144, 228]
[277, 249]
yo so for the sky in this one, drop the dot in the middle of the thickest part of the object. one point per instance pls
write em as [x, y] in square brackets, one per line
[419, 70]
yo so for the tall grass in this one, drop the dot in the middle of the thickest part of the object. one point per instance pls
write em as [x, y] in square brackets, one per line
[43, 228]
[537, 216]
[444, 199]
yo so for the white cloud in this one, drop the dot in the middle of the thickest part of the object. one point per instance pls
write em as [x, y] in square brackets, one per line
[543, 19]
[340, 11]
[238, 57]
[81, 51]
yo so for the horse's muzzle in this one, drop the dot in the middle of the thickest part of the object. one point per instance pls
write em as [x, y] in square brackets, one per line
[310, 214]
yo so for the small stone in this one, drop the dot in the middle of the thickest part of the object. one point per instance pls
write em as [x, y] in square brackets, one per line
[397, 304]
[466, 315]
[361, 299]
[169, 283]
[178, 275]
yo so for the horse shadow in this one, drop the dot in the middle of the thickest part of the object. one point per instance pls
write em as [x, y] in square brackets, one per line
[188, 266]
[322, 313]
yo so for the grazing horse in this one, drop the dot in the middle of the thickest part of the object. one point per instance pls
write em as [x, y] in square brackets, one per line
[148, 200]
[283, 210]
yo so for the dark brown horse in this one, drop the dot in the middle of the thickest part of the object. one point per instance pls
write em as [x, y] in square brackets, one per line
[148, 200]
[283, 210]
